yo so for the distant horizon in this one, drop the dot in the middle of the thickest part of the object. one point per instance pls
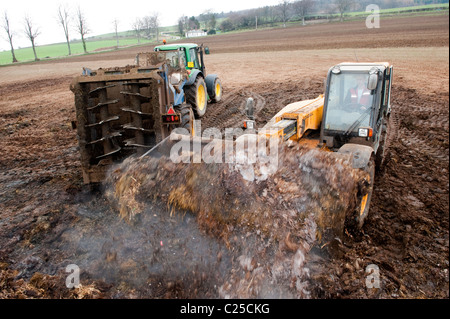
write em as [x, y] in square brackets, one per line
[100, 15]
[24, 43]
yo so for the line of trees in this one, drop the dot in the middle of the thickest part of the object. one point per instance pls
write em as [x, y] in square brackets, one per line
[31, 31]
[75, 20]
[285, 11]
[289, 10]
[206, 21]
[147, 27]
[187, 23]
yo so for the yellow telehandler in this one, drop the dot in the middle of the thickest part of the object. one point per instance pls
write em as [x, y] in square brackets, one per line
[352, 118]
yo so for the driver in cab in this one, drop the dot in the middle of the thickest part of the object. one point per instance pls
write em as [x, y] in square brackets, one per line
[359, 97]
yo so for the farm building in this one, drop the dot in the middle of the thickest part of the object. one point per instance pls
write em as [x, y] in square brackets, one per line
[195, 33]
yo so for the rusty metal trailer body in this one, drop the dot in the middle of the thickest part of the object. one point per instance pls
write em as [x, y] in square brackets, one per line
[123, 111]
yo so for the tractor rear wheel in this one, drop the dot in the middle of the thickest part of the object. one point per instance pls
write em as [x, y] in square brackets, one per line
[187, 117]
[196, 96]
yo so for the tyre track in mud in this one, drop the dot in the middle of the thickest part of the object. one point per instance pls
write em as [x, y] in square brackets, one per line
[268, 100]
[423, 124]
[225, 114]
[230, 112]
[420, 144]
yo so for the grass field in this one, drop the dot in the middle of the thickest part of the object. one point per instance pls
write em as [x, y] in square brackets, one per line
[406, 10]
[60, 49]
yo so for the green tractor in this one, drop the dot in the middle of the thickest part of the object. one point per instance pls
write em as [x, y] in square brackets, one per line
[199, 88]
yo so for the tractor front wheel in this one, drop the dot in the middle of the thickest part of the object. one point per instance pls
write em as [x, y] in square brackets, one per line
[217, 91]
[355, 220]
[214, 87]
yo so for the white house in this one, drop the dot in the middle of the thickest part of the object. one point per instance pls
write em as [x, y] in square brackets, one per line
[195, 33]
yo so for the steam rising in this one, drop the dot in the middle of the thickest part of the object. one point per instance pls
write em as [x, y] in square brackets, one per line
[212, 229]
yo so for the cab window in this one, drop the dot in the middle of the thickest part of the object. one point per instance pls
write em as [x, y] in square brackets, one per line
[349, 101]
[174, 58]
[194, 57]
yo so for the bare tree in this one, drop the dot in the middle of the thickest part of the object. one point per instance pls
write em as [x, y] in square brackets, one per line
[213, 22]
[116, 24]
[10, 34]
[146, 26]
[208, 18]
[183, 24]
[284, 10]
[155, 24]
[151, 25]
[271, 13]
[303, 7]
[343, 6]
[31, 32]
[137, 28]
[82, 27]
[64, 20]
[193, 23]
[329, 9]
[204, 18]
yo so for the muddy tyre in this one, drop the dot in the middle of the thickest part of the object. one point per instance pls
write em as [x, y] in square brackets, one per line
[214, 87]
[187, 117]
[355, 222]
[381, 152]
[196, 95]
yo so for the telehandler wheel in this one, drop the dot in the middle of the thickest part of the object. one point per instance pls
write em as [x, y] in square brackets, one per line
[196, 95]
[380, 160]
[364, 205]
[355, 221]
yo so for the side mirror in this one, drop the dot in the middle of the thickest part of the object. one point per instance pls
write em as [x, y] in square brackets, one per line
[372, 81]
[206, 50]
[249, 108]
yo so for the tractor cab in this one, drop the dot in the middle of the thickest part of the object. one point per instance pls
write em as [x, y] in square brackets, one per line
[200, 88]
[189, 53]
[356, 102]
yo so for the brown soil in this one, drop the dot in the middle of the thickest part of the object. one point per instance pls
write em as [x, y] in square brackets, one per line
[49, 220]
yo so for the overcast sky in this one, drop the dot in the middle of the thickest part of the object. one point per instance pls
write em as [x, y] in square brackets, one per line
[100, 14]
